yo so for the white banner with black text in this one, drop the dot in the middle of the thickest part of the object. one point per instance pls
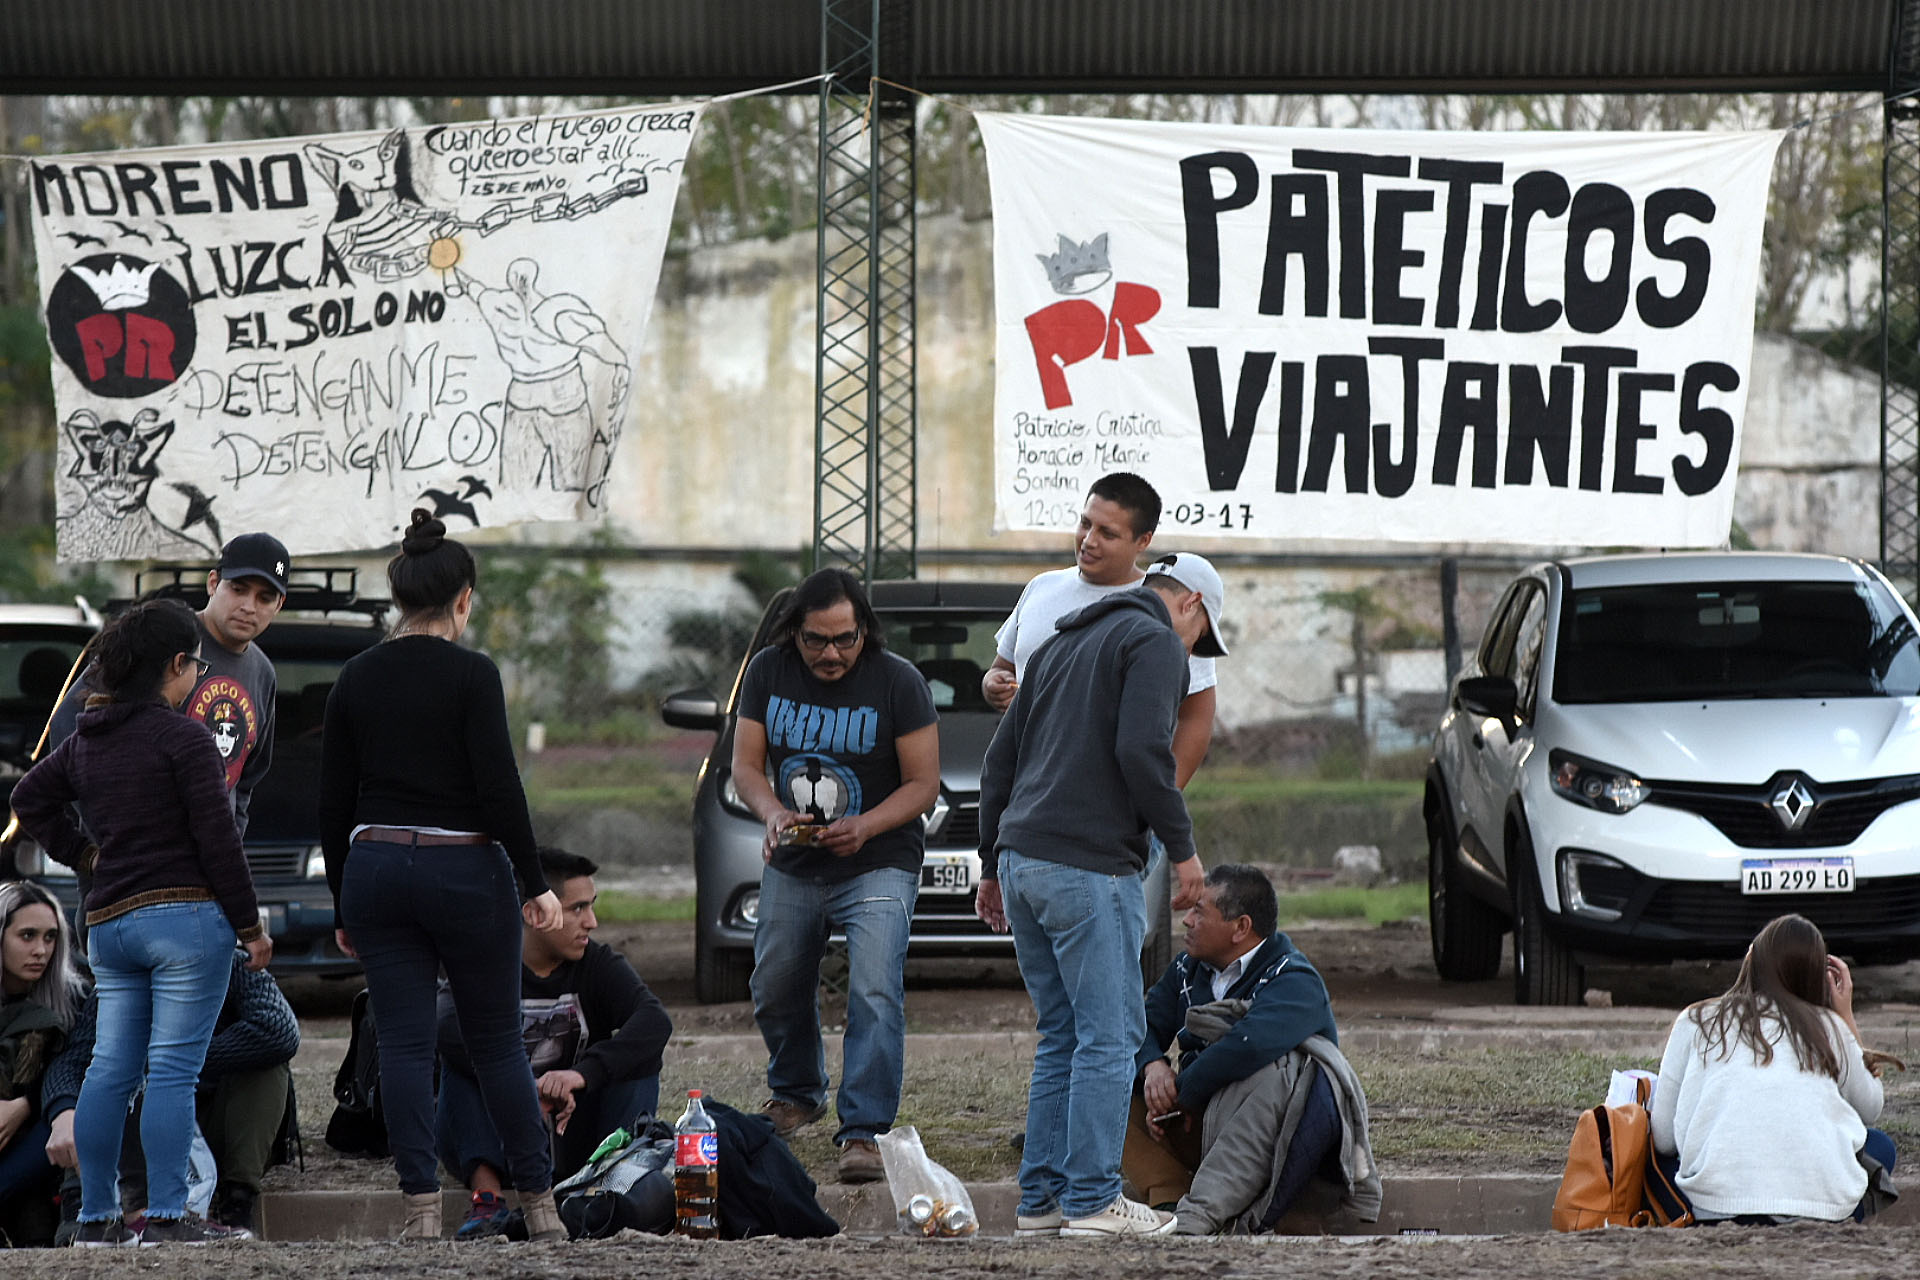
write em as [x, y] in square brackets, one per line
[312, 336]
[1537, 338]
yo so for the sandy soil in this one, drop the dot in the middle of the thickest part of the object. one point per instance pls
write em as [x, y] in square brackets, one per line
[1792, 1253]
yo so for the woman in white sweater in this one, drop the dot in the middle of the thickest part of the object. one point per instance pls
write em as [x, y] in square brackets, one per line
[1764, 1093]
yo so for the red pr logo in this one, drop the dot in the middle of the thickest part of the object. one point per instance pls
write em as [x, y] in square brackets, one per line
[1071, 331]
[147, 342]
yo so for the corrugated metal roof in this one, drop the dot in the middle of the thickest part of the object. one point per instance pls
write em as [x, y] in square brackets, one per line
[666, 47]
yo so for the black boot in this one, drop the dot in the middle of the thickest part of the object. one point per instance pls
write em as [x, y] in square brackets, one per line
[233, 1206]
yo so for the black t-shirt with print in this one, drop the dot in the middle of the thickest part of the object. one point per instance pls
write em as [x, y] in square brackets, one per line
[831, 750]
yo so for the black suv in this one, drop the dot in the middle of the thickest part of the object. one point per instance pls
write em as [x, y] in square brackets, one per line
[324, 622]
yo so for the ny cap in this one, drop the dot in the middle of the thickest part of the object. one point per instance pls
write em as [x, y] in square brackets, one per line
[1195, 574]
[256, 555]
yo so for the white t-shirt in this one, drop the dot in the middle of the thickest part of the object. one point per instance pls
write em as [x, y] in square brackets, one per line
[1052, 596]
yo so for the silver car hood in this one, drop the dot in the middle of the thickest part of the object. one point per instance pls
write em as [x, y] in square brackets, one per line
[1748, 741]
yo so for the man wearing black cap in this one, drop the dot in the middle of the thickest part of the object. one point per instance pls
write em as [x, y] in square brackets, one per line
[234, 699]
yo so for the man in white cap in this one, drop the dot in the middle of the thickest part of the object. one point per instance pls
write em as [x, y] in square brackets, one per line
[1080, 772]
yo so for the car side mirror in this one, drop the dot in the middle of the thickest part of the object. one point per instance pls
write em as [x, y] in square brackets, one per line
[693, 709]
[1491, 697]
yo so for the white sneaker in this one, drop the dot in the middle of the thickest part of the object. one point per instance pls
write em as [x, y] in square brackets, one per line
[1123, 1217]
[1040, 1224]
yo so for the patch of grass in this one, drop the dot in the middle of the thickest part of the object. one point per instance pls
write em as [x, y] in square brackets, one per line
[618, 906]
[672, 798]
[1352, 902]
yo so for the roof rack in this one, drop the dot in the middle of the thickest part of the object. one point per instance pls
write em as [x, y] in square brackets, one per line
[316, 589]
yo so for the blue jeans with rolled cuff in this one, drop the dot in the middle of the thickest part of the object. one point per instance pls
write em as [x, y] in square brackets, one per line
[161, 975]
[411, 911]
[797, 915]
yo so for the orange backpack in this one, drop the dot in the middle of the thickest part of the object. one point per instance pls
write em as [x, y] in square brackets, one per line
[1611, 1179]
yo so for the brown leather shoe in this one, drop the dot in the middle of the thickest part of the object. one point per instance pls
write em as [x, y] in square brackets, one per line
[790, 1116]
[860, 1161]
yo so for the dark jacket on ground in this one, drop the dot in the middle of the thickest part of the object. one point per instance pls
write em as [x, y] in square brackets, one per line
[1081, 767]
[627, 1026]
[1288, 1003]
[156, 800]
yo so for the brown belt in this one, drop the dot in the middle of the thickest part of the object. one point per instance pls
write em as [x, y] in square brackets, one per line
[400, 835]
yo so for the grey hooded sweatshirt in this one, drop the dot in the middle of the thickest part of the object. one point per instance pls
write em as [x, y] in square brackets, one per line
[1081, 767]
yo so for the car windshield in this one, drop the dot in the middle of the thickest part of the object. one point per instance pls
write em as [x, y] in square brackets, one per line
[952, 649]
[1680, 641]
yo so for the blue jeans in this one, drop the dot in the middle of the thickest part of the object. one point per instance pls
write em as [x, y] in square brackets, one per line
[410, 912]
[468, 1139]
[1077, 935]
[161, 973]
[24, 1168]
[873, 910]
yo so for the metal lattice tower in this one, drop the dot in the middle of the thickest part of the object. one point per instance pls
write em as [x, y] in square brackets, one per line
[866, 411]
[1900, 315]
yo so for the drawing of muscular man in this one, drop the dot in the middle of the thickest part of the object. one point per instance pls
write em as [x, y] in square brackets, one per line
[549, 429]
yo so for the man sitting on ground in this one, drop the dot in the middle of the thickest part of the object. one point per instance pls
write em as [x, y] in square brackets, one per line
[1263, 1100]
[595, 1035]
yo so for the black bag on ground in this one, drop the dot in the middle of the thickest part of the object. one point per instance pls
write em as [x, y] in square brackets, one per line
[764, 1189]
[359, 1123]
[630, 1188]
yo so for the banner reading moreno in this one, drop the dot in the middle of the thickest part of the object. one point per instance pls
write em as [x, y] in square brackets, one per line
[1434, 337]
[315, 335]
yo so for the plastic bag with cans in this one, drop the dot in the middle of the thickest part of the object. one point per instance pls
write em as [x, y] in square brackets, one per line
[929, 1200]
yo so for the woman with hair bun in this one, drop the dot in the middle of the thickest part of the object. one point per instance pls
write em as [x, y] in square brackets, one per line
[1765, 1094]
[431, 859]
[170, 894]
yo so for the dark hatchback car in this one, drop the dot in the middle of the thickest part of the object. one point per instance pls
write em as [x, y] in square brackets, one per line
[323, 623]
[945, 629]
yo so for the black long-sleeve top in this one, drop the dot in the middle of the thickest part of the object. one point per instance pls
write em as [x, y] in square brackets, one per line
[416, 736]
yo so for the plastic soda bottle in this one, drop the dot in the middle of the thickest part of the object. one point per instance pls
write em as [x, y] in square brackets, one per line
[696, 1172]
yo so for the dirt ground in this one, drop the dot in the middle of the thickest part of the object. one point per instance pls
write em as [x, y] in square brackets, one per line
[1787, 1253]
[1375, 973]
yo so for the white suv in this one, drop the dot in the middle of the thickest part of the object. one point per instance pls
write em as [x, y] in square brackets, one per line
[1650, 756]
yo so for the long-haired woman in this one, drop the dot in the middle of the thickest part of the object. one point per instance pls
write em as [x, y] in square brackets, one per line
[432, 863]
[170, 895]
[1764, 1093]
[41, 995]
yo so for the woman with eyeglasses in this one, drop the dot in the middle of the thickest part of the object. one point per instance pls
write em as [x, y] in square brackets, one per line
[837, 751]
[431, 859]
[170, 894]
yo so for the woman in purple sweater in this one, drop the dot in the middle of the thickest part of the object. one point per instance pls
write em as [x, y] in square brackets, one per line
[170, 895]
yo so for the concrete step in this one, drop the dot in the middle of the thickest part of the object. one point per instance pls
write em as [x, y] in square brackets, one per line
[1479, 1204]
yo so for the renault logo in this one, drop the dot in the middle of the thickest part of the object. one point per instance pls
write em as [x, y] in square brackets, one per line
[1793, 804]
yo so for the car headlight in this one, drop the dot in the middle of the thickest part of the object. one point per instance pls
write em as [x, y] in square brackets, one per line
[730, 797]
[32, 862]
[746, 910]
[316, 865]
[1595, 785]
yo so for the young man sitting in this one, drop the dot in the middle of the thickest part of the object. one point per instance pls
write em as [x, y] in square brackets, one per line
[595, 1036]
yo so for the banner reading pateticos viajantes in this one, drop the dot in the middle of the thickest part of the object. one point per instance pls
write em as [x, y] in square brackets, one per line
[1435, 337]
[314, 335]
